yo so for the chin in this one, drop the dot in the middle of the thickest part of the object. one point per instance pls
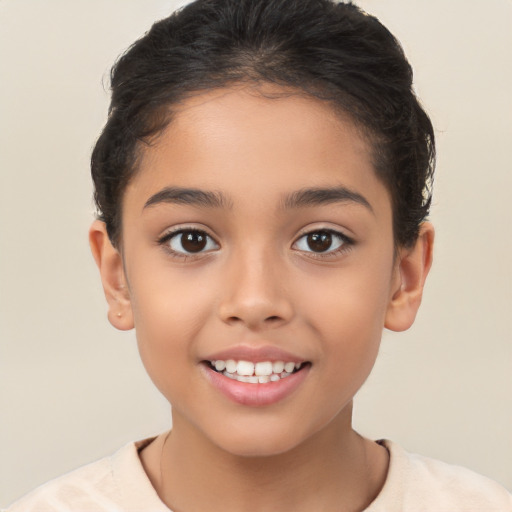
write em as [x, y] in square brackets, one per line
[257, 447]
[260, 440]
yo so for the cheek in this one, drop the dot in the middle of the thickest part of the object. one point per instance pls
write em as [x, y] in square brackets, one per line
[352, 298]
[169, 311]
[346, 311]
[170, 301]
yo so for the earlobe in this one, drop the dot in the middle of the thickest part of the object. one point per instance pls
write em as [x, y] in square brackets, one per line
[413, 265]
[110, 265]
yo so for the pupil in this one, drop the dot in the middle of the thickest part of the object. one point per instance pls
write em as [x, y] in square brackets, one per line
[319, 242]
[193, 241]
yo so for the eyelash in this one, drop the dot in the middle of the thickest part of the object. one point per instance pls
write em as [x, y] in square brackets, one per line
[165, 240]
[345, 243]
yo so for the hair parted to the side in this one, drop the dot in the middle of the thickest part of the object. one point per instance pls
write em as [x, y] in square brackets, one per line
[331, 51]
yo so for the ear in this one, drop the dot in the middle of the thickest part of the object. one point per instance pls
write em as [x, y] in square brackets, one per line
[412, 267]
[110, 265]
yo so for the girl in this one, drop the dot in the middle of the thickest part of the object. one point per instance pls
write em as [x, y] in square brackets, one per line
[262, 183]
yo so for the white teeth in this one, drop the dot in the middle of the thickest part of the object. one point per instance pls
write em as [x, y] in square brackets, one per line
[278, 367]
[262, 369]
[245, 368]
[231, 366]
[289, 367]
[220, 365]
[261, 372]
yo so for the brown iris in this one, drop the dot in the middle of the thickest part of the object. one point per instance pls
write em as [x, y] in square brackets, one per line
[193, 241]
[320, 241]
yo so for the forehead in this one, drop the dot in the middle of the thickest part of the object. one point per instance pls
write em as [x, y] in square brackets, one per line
[248, 140]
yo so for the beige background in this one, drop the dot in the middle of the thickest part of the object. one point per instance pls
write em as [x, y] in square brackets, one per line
[72, 388]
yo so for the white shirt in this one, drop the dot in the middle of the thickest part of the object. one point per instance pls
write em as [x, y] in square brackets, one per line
[414, 484]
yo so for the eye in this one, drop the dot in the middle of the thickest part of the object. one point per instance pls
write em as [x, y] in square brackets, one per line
[189, 241]
[321, 241]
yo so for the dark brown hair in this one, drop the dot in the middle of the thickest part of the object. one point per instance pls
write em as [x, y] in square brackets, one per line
[332, 51]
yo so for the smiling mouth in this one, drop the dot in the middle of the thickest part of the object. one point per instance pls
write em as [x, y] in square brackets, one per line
[262, 372]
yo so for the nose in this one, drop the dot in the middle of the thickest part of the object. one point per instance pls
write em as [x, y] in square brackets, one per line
[254, 292]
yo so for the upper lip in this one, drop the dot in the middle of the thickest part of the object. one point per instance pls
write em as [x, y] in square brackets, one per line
[255, 354]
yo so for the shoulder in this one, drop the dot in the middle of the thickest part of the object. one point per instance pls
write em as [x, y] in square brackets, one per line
[89, 484]
[420, 483]
[114, 484]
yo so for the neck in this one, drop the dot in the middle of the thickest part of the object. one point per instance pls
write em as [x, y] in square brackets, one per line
[335, 469]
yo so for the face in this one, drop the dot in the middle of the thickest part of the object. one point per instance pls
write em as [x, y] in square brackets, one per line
[256, 230]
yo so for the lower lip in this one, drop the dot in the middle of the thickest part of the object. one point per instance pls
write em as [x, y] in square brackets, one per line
[256, 395]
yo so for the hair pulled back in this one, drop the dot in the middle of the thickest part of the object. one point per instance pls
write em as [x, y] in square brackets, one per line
[332, 51]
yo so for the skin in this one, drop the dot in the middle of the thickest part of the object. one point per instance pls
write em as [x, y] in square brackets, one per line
[259, 283]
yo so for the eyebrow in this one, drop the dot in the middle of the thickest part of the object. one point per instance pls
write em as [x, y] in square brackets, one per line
[298, 199]
[188, 196]
[321, 196]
